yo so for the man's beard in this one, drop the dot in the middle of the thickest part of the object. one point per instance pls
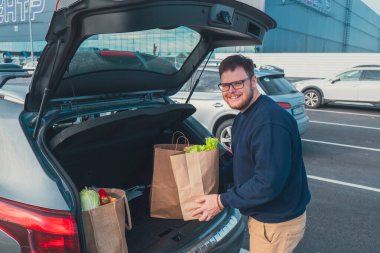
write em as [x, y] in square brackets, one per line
[245, 104]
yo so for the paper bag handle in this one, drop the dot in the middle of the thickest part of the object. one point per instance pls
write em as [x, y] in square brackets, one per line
[182, 136]
[128, 225]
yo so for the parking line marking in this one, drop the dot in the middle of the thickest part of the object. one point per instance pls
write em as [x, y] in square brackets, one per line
[347, 125]
[352, 113]
[342, 145]
[344, 183]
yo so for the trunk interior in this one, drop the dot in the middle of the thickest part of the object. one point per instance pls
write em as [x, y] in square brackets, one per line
[116, 151]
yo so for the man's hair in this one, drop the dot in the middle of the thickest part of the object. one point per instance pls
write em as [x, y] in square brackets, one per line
[232, 62]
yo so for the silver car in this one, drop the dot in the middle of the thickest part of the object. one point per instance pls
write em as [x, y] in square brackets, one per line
[360, 84]
[215, 114]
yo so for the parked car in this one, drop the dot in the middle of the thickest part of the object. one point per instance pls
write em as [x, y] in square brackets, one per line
[91, 118]
[215, 114]
[358, 84]
[14, 87]
[30, 66]
[10, 68]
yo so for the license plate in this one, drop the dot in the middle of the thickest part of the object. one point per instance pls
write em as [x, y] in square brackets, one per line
[297, 110]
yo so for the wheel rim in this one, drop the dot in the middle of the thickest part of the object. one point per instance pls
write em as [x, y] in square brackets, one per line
[225, 136]
[311, 99]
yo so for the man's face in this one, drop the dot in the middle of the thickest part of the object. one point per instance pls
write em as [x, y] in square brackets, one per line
[239, 99]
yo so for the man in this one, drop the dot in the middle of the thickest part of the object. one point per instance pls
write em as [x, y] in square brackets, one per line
[269, 174]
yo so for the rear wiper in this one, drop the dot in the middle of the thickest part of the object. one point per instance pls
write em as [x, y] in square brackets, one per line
[199, 77]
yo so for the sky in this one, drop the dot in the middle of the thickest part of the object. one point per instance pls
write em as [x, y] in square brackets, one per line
[374, 4]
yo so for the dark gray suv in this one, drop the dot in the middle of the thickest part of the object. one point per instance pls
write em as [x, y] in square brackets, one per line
[97, 103]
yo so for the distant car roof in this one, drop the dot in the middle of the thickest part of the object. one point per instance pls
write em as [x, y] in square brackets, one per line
[258, 72]
[367, 66]
[10, 67]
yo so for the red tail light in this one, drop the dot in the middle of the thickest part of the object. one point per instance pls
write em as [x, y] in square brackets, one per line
[117, 53]
[39, 230]
[284, 105]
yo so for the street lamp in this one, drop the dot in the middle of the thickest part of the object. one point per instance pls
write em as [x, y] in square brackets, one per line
[30, 31]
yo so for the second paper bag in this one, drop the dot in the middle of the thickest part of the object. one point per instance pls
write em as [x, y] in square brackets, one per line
[196, 174]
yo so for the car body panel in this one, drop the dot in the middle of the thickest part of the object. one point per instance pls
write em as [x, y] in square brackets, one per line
[368, 91]
[9, 244]
[341, 90]
[206, 102]
[23, 179]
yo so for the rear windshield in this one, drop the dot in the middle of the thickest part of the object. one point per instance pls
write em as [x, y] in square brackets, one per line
[276, 85]
[157, 50]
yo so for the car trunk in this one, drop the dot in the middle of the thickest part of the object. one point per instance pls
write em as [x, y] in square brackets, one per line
[115, 150]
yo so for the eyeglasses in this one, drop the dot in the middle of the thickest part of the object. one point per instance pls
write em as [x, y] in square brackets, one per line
[237, 85]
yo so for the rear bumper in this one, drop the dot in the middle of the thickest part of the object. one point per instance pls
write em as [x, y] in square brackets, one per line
[223, 237]
[303, 123]
[234, 241]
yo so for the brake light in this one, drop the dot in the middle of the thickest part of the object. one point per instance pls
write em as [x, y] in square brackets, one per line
[117, 53]
[284, 105]
[39, 229]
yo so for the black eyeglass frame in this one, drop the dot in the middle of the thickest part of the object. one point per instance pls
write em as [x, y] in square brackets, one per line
[238, 82]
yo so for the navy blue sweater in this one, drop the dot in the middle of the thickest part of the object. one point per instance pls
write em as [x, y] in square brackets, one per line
[268, 168]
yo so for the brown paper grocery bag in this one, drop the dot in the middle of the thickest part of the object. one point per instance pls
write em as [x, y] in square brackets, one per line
[164, 200]
[196, 174]
[105, 225]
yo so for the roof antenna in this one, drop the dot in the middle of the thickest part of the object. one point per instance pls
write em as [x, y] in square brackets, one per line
[197, 81]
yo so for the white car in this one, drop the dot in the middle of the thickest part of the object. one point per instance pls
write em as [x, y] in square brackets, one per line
[215, 114]
[358, 84]
[30, 66]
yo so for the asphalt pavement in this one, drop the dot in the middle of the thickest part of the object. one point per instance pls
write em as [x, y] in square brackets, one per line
[341, 150]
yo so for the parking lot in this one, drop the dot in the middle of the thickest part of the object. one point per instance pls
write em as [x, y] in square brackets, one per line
[341, 151]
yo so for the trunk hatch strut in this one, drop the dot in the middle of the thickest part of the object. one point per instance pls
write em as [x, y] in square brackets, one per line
[45, 96]
[197, 81]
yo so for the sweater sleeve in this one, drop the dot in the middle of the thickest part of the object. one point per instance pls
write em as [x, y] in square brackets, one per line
[271, 149]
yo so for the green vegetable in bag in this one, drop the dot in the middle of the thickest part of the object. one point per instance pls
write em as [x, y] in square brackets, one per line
[89, 199]
[211, 144]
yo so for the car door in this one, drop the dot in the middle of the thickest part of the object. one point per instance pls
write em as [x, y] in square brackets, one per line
[344, 87]
[369, 87]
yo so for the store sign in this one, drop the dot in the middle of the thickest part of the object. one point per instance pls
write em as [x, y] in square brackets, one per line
[15, 11]
[319, 5]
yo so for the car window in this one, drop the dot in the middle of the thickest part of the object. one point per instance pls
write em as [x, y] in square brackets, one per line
[153, 50]
[208, 82]
[371, 75]
[276, 85]
[350, 75]
[186, 86]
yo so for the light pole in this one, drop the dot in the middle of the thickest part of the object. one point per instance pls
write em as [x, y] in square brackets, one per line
[30, 32]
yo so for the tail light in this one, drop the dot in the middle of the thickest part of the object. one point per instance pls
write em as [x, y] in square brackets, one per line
[39, 230]
[284, 105]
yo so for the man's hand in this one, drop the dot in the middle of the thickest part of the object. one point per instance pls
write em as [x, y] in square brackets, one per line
[210, 207]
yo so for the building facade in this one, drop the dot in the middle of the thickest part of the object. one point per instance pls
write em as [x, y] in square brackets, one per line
[303, 26]
[322, 26]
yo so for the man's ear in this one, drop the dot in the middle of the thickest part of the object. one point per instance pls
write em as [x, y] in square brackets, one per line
[253, 81]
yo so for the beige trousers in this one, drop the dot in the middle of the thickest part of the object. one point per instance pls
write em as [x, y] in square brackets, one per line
[275, 237]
